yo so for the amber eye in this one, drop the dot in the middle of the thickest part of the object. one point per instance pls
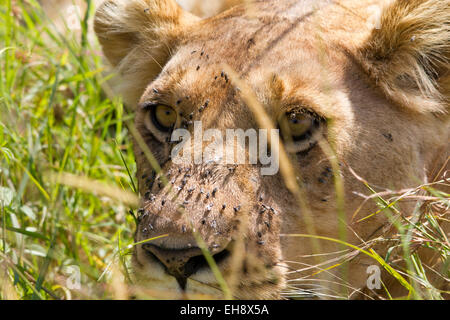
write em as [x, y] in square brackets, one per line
[299, 130]
[163, 117]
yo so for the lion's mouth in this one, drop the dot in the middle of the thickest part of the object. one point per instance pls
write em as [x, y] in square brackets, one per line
[183, 263]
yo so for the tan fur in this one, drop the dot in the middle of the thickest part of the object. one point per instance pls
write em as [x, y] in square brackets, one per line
[410, 54]
[383, 92]
[136, 37]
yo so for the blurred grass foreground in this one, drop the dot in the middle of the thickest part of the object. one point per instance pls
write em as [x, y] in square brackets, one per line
[60, 241]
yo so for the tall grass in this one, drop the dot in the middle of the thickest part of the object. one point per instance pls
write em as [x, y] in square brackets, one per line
[54, 118]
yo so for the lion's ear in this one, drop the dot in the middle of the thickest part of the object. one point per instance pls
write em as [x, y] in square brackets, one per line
[408, 56]
[137, 37]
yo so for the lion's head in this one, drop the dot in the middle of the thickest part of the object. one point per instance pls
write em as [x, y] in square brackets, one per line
[359, 91]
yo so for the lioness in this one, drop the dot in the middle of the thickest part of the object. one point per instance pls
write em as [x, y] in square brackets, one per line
[360, 91]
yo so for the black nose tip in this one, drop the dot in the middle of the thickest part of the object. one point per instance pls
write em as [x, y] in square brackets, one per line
[182, 263]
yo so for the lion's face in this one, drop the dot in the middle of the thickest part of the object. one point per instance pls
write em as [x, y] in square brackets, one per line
[309, 68]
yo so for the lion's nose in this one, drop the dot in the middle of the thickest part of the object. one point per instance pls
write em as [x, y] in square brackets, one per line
[182, 263]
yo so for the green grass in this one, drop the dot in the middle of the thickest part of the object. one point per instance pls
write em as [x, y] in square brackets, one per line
[55, 119]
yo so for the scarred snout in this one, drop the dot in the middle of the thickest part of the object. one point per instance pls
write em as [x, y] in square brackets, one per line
[195, 202]
[201, 202]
